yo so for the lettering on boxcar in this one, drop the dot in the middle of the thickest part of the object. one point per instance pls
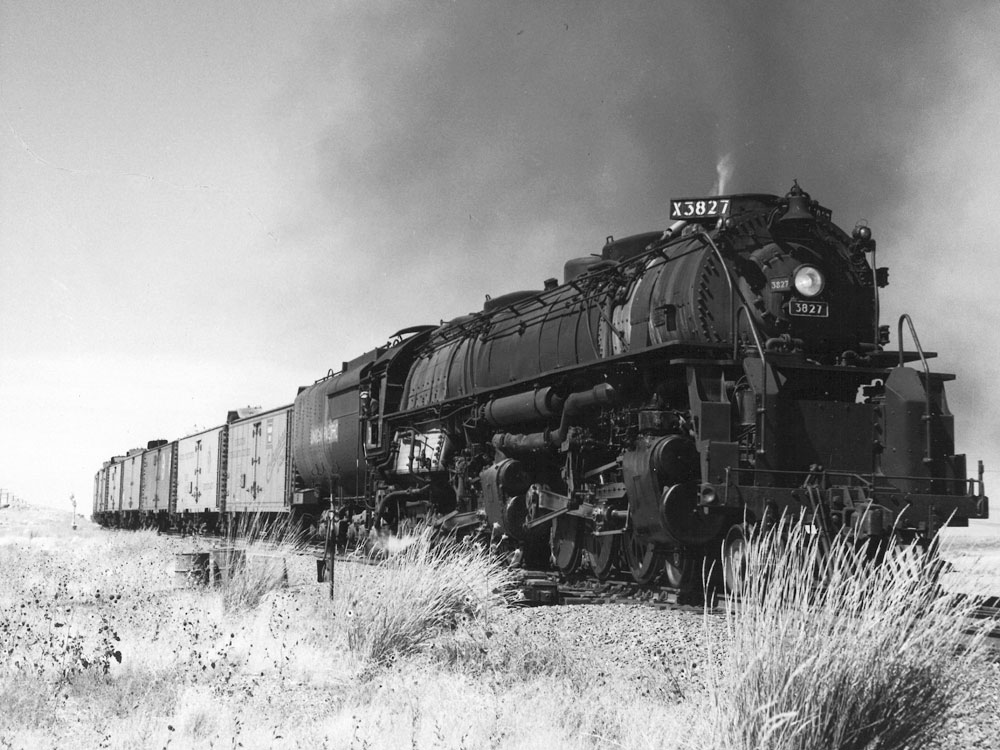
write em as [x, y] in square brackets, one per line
[328, 434]
[275, 457]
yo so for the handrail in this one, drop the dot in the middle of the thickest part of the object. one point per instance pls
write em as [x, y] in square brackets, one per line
[734, 319]
[762, 409]
[704, 237]
[927, 380]
[753, 330]
[916, 341]
[733, 293]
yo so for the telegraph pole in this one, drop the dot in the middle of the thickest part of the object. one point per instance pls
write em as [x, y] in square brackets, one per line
[72, 499]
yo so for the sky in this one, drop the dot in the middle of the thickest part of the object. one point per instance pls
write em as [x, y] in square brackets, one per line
[204, 206]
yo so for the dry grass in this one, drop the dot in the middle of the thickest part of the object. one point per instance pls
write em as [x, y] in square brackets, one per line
[256, 553]
[830, 651]
[279, 671]
[195, 672]
[425, 589]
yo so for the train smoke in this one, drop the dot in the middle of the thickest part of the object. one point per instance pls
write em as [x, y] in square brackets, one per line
[525, 132]
[723, 171]
[475, 147]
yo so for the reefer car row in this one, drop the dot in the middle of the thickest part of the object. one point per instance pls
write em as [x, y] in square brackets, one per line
[671, 393]
[240, 466]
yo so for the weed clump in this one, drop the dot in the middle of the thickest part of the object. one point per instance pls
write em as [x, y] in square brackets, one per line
[252, 561]
[831, 650]
[421, 591]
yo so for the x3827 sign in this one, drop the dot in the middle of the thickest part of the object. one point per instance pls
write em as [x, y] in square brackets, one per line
[698, 208]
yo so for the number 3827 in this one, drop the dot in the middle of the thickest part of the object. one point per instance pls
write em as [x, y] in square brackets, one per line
[698, 208]
[809, 309]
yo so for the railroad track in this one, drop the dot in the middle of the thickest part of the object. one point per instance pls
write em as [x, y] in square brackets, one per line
[989, 608]
[546, 588]
[549, 588]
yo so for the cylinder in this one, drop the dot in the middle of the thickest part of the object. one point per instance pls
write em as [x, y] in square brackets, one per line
[512, 477]
[530, 406]
[575, 404]
[675, 459]
[521, 445]
[746, 403]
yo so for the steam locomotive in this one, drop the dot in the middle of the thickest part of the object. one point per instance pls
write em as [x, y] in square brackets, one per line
[674, 391]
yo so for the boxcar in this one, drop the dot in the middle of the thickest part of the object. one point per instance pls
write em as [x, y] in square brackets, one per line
[100, 493]
[156, 482]
[201, 471]
[131, 487]
[116, 472]
[259, 463]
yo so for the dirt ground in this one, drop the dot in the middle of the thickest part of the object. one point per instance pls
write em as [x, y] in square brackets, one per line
[974, 553]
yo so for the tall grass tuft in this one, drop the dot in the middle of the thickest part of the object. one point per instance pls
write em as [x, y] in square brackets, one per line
[259, 547]
[828, 650]
[422, 590]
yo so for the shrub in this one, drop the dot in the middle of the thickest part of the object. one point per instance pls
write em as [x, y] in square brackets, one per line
[830, 650]
[422, 590]
[257, 549]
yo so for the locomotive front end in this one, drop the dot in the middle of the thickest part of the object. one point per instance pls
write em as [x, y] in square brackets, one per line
[807, 286]
[826, 423]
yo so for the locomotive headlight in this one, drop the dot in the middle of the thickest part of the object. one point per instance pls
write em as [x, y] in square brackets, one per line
[808, 281]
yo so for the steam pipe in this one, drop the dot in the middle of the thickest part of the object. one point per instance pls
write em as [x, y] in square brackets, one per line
[672, 230]
[509, 443]
[398, 494]
[522, 407]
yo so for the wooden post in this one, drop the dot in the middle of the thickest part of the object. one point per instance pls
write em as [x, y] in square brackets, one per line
[331, 545]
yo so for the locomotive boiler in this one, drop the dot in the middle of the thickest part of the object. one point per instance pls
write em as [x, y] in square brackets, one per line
[673, 391]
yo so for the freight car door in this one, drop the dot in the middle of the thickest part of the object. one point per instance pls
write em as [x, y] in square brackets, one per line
[270, 471]
[196, 484]
[255, 461]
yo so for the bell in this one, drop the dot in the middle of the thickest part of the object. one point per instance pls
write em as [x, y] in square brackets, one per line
[798, 206]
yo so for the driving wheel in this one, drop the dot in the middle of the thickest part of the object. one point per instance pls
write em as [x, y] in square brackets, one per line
[644, 560]
[566, 543]
[680, 569]
[603, 554]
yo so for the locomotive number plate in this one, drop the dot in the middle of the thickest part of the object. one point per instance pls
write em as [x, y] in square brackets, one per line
[698, 208]
[810, 309]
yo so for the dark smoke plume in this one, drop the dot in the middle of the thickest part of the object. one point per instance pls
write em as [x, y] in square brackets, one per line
[470, 148]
